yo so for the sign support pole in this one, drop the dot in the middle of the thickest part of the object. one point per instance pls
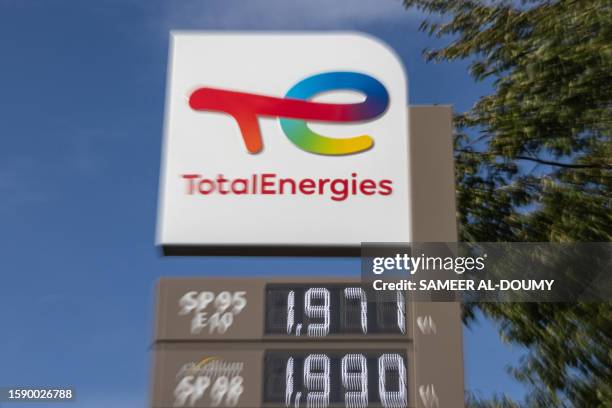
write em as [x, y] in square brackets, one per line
[438, 357]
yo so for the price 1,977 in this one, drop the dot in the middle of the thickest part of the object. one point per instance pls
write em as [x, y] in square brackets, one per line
[318, 311]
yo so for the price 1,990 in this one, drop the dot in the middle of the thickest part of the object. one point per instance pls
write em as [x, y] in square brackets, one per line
[323, 379]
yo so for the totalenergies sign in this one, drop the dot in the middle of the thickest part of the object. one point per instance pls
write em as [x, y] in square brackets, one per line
[283, 140]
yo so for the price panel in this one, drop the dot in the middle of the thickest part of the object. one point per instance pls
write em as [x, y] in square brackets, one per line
[266, 375]
[272, 343]
[274, 309]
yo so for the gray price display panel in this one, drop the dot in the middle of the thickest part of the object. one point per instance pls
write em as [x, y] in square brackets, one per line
[278, 309]
[281, 342]
[296, 374]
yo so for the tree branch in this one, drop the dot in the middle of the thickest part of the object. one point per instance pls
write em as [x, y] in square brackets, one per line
[546, 162]
[565, 165]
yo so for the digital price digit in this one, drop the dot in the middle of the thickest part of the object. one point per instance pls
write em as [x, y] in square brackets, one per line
[316, 380]
[313, 311]
[355, 380]
[359, 294]
[388, 362]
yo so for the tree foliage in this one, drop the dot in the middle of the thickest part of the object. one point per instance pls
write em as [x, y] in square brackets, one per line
[473, 401]
[534, 163]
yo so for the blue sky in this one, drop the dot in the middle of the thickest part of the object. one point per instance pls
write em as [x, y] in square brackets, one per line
[81, 108]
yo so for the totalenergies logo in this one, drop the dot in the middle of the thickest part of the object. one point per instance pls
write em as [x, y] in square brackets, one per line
[295, 110]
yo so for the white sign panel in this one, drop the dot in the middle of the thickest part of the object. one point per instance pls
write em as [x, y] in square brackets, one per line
[283, 140]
